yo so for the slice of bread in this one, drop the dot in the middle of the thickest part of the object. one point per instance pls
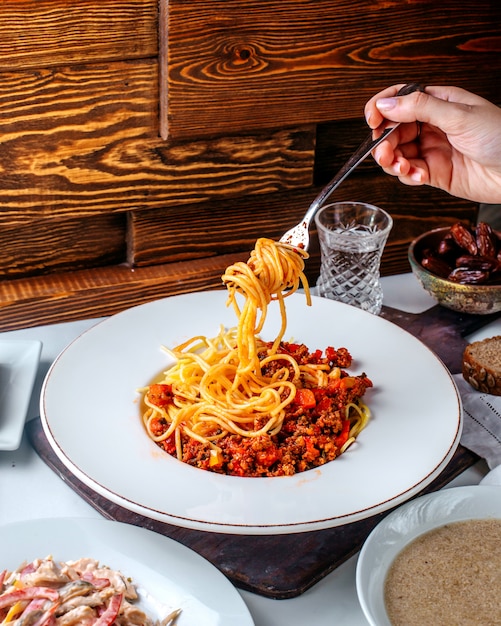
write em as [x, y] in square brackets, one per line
[482, 365]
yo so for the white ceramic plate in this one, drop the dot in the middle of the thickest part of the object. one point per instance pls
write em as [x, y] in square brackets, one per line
[403, 526]
[18, 367]
[91, 415]
[167, 574]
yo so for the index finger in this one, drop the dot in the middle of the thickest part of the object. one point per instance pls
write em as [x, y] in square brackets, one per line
[371, 112]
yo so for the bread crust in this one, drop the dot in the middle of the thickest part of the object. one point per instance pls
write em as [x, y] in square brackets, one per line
[481, 365]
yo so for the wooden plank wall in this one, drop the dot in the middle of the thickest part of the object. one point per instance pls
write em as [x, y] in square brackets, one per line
[144, 147]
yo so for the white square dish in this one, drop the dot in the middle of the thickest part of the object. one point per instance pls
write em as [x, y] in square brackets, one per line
[18, 367]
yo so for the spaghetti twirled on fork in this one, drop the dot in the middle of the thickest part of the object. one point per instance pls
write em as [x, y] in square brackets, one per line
[232, 392]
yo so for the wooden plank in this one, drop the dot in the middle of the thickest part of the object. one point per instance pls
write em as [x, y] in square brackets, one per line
[213, 228]
[48, 33]
[103, 291]
[231, 66]
[61, 245]
[99, 292]
[336, 142]
[79, 141]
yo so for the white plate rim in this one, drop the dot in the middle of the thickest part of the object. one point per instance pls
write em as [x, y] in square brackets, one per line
[24, 357]
[204, 594]
[257, 527]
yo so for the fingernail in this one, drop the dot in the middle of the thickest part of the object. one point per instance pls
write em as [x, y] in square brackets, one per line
[386, 104]
[417, 176]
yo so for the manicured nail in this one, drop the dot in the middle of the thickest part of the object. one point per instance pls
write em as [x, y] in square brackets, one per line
[386, 104]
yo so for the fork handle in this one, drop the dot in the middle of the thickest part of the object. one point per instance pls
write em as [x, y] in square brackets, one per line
[360, 154]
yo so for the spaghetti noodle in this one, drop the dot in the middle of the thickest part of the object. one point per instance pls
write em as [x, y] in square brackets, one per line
[238, 405]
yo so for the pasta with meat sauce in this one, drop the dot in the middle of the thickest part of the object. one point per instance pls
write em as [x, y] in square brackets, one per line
[242, 406]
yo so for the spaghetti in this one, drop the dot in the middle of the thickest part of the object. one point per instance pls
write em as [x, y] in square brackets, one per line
[238, 405]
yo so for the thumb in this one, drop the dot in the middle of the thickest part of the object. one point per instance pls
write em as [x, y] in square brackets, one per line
[423, 107]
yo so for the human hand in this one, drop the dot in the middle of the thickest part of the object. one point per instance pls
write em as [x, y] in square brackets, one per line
[449, 138]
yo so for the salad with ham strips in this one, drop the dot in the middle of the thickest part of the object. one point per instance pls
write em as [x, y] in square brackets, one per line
[84, 593]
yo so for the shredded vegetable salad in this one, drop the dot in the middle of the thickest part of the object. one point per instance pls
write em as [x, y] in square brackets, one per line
[84, 593]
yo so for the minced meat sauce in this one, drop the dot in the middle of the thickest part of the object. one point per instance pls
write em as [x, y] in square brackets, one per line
[313, 433]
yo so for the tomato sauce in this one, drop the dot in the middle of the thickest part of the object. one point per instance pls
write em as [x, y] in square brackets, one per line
[313, 432]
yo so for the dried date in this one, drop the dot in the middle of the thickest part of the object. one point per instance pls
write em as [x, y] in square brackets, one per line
[474, 253]
[468, 277]
[476, 262]
[436, 266]
[485, 240]
[447, 247]
[464, 238]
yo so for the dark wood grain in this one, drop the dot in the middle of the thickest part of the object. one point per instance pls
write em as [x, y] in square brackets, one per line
[61, 245]
[94, 148]
[263, 64]
[47, 33]
[173, 252]
[264, 101]
[208, 228]
[444, 331]
[102, 291]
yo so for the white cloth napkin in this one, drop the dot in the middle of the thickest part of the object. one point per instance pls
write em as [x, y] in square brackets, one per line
[482, 427]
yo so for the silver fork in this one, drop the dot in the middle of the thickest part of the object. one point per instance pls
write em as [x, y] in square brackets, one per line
[298, 236]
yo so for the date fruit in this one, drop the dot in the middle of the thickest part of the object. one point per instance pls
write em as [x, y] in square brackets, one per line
[486, 242]
[464, 238]
[436, 266]
[466, 276]
[470, 256]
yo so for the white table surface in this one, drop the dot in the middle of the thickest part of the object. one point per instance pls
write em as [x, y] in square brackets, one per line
[29, 489]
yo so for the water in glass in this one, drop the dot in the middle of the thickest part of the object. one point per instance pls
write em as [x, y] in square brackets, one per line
[352, 238]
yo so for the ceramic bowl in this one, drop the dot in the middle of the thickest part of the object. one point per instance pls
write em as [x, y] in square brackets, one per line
[404, 525]
[478, 299]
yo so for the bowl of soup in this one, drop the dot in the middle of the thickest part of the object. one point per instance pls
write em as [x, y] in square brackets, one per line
[435, 561]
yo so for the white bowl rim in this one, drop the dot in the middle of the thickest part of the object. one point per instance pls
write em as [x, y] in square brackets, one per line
[407, 522]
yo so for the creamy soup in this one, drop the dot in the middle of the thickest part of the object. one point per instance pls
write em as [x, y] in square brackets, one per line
[448, 576]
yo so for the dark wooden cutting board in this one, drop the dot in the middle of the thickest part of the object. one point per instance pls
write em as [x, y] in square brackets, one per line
[284, 566]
